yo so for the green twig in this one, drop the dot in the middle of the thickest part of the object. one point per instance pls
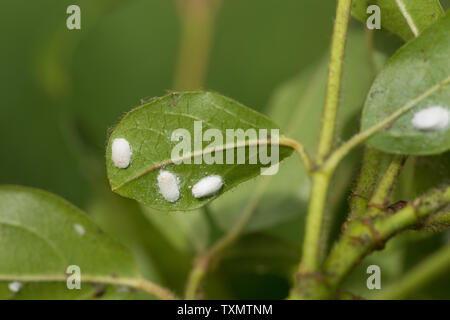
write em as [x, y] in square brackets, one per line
[320, 179]
[366, 234]
[195, 279]
[314, 220]
[367, 181]
[437, 222]
[380, 197]
[335, 69]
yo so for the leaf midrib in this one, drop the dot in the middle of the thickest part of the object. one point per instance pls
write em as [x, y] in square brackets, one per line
[409, 19]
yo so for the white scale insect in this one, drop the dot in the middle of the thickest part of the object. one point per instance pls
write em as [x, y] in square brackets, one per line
[168, 184]
[121, 153]
[207, 186]
[15, 286]
[431, 119]
[79, 229]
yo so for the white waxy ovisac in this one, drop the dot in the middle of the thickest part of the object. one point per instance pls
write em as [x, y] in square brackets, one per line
[168, 184]
[79, 229]
[431, 119]
[15, 286]
[121, 153]
[207, 186]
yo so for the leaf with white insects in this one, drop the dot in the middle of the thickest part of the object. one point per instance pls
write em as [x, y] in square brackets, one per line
[420, 66]
[156, 130]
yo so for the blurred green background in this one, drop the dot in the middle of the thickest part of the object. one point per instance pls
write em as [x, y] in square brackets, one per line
[62, 90]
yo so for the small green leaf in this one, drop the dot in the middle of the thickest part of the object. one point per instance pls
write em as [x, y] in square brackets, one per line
[149, 129]
[405, 18]
[41, 235]
[417, 67]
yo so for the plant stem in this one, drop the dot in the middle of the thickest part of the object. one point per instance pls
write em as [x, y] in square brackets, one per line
[365, 234]
[197, 18]
[338, 43]
[382, 192]
[426, 271]
[139, 283]
[387, 181]
[195, 279]
[437, 222]
[366, 182]
[342, 151]
[361, 237]
[321, 178]
[372, 157]
[311, 243]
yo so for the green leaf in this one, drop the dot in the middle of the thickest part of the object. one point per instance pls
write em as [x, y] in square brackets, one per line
[41, 235]
[405, 18]
[417, 67]
[149, 128]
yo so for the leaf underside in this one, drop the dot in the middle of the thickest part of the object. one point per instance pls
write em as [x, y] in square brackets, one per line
[418, 66]
[42, 234]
